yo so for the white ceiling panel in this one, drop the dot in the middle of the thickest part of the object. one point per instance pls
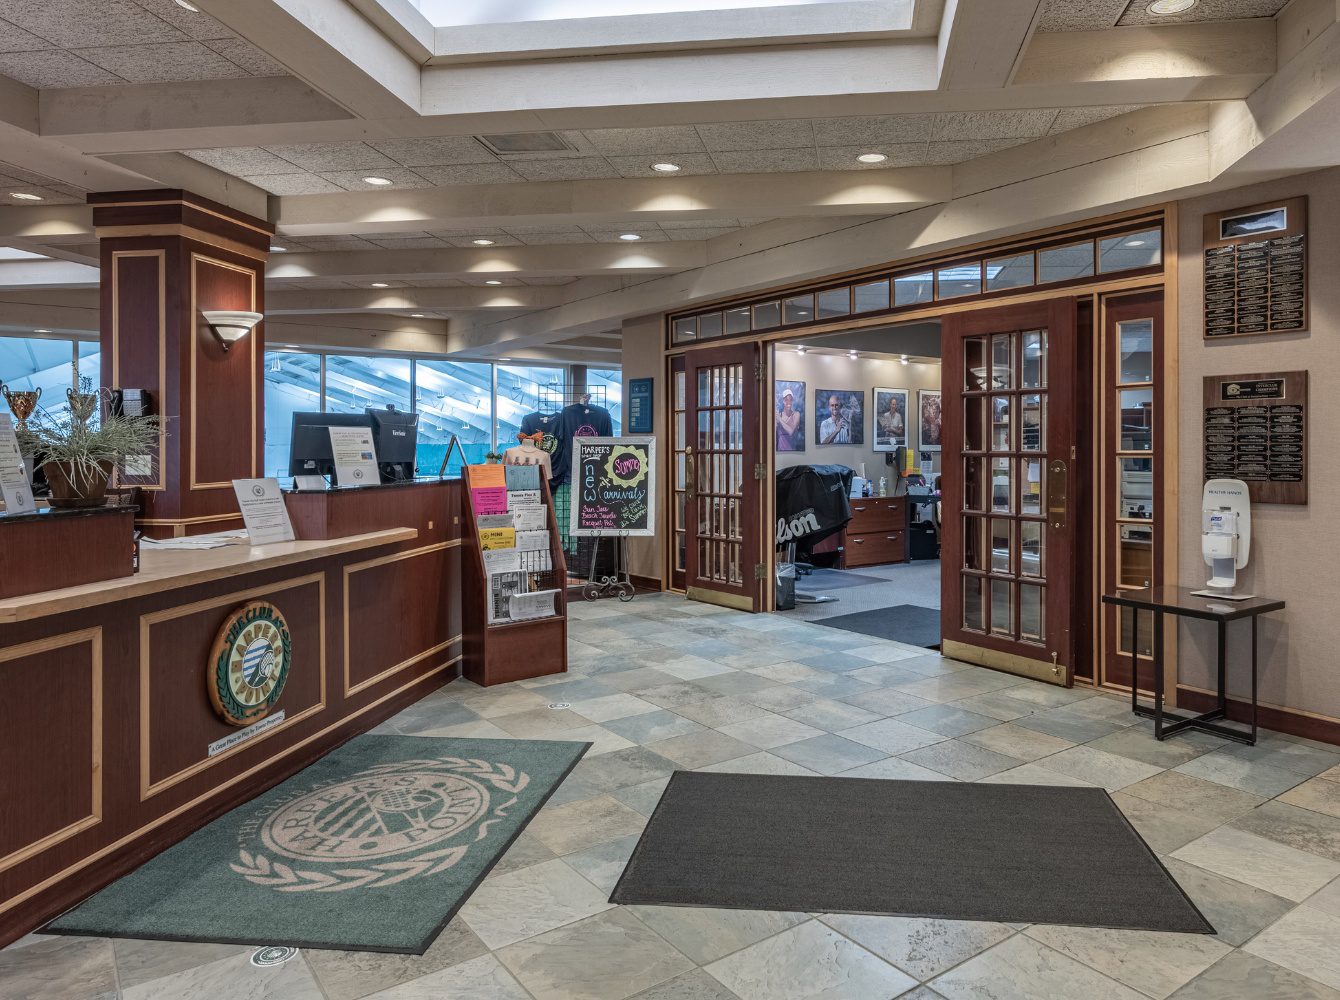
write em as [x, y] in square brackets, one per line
[54, 68]
[194, 24]
[1070, 118]
[15, 39]
[469, 173]
[434, 152]
[883, 129]
[642, 141]
[699, 234]
[690, 164]
[167, 62]
[401, 178]
[766, 161]
[940, 153]
[575, 168]
[499, 240]
[1080, 15]
[72, 24]
[292, 184]
[910, 154]
[734, 136]
[968, 125]
[1206, 10]
[244, 161]
[245, 55]
[322, 156]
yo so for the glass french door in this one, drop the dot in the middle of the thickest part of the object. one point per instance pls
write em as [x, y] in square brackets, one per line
[722, 499]
[1008, 516]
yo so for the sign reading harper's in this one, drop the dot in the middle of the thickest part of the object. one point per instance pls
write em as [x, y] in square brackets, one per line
[613, 486]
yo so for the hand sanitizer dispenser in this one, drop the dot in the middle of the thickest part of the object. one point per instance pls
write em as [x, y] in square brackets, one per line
[1226, 536]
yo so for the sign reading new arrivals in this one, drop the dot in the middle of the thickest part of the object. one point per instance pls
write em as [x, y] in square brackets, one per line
[613, 486]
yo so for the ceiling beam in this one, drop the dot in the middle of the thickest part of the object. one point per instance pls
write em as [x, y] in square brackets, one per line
[865, 192]
[982, 44]
[497, 262]
[46, 273]
[295, 302]
[45, 221]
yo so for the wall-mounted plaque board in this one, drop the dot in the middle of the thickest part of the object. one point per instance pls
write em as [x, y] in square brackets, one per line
[1256, 431]
[1256, 270]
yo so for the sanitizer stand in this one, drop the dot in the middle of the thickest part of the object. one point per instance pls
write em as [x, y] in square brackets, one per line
[1226, 536]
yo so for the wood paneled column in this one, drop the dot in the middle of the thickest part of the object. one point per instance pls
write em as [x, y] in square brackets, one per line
[167, 257]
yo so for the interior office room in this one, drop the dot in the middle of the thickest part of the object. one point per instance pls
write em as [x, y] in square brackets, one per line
[669, 500]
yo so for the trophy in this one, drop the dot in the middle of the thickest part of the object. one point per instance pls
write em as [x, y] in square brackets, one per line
[21, 404]
[83, 404]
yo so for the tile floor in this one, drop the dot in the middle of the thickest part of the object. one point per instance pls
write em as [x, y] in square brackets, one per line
[1252, 834]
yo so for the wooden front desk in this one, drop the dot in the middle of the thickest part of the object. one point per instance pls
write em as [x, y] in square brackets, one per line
[105, 723]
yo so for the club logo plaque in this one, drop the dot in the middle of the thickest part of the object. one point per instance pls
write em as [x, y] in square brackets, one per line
[249, 664]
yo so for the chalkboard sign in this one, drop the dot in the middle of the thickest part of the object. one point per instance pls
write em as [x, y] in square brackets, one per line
[613, 486]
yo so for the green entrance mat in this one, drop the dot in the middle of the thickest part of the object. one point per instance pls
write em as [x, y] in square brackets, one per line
[372, 848]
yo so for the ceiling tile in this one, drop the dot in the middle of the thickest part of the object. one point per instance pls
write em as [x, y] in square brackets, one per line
[244, 161]
[413, 243]
[690, 164]
[72, 24]
[194, 24]
[554, 279]
[437, 283]
[577, 145]
[699, 234]
[1069, 118]
[291, 184]
[468, 173]
[435, 151]
[939, 153]
[1206, 10]
[911, 154]
[330, 244]
[1080, 15]
[757, 135]
[290, 246]
[642, 141]
[15, 39]
[499, 240]
[967, 125]
[553, 239]
[700, 224]
[323, 156]
[883, 129]
[766, 161]
[648, 234]
[583, 168]
[167, 62]
[54, 69]
[401, 178]
[543, 230]
[249, 57]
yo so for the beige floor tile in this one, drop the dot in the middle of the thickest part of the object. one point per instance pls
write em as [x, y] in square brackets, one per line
[1024, 969]
[1163, 828]
[701, 749]
[140, 961]
[759, 763]
[1035, 774]
[540, 723]
[768, 731]
[350, 975]
[60, 968]
[233, 979]
[1306, 941]
[1240, 976]
[1195, 795]
[891, 736]
[1015, 741]
[705, 934]
[962, 761]
[1157, 964]
[1257, 861]
[482, 978]
[1319, 794]
[524, 903]
[1304, 829]
[1106, 770]
[696, 985]
[721, 711]
[1238, 912]
[921, 948]
[603, 864]
[612, 706]
[576, 826]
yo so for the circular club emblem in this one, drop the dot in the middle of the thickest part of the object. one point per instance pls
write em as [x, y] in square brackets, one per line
[250, 663]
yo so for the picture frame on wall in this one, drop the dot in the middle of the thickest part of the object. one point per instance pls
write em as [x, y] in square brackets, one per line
[930, 427]
[839, 417]
[789, 399]
[891, 418]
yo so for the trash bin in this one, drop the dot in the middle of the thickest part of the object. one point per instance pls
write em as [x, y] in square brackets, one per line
[786, 586]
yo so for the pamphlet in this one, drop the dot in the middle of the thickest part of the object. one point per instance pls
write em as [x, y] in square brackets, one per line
[310, 483]
[518, 499]
[18, 495]
[529, 519]
[501, 561]
[530, 541]
[488, 477]
[497, 538]
[263, 510]
[494, 521]
[354, 455]
[522, 477]
[489, 500]
[540, 604]
[503, 588]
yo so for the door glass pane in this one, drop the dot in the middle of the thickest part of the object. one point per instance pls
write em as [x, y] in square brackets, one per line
[1002, 362]
[767, 314]
[1002, 618]
[962, 279]
[974, 423]
[1030, 486]
[974, 484]
[835, 302]
[974, 364]
[974, 543]
[1137, 350]
[709, 326]
[1032, 539]
[1137, 488]
[1137, 419]
[1122, 253]
[704, 430]
[1146, 631]
[1002, 436]
[1063, 263]
[704, 388]
[798, 309]
[1031, 613]
[1002, 484]
[911, 289]
[974, 609]
[1032, 436]
[1035, 360]
[1009, 272]
[871, 296]
[719, 429]
[1136, 555]
[737, 320]
[1000, 544]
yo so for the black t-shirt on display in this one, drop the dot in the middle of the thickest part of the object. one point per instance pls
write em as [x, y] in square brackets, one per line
[546, 424]
[577, 420]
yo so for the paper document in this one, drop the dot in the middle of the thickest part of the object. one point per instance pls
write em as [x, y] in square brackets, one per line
[354, 455]
[263, 510]
[14, 486]
[537, 605]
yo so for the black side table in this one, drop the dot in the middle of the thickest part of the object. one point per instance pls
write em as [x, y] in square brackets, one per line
[1180, 603]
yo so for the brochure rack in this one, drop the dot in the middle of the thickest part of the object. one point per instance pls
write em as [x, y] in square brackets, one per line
[497, 651]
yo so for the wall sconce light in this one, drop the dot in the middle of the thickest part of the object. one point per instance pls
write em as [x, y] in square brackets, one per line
[230, 327]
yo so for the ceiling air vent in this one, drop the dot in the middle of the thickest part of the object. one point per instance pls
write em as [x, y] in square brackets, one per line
[526, 142]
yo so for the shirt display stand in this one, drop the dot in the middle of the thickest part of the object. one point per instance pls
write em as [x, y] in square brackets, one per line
[499, 651]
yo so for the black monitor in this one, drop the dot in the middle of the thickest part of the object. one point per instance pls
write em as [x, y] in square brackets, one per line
[309, 451]
[395, 434]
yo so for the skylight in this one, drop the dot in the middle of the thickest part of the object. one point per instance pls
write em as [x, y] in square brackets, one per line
[448, 13]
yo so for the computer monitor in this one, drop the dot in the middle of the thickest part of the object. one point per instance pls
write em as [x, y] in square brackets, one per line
[395, 434]
[309, 449]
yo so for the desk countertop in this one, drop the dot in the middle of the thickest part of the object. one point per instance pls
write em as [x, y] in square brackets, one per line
[174, 569]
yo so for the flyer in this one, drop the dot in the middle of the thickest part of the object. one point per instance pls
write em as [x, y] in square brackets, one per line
[354, 456]
[18, 495]
[497, 538]
[263, 510]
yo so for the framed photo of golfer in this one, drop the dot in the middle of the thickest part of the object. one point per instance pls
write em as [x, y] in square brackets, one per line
[930, 429]
[839, 416]
[890, 419]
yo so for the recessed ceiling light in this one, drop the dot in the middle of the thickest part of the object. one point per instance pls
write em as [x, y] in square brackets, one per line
[800, 350]
[416, 316]
[25, 196]
[853, 355]
[188, 6]
[666, 168]
[630, 237]
[872, 157]
[903, 359]
[378, 181]
[278, 249]
[482, 243]
[380, 284]
[493, 281]
[41, 330]
[504, 359]
[1161, 7]
[1135, 243]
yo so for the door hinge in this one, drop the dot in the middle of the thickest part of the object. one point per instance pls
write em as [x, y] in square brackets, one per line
[760, 571]
[760, 371]
[760, 470]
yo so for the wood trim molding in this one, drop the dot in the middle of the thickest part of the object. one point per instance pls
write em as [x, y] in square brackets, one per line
[150, 199]
[1294, 721]
[194, 484]
[92, 636]
[350, 570]
[149, 788]
[161, 255]
[182, 232]
[204, 797]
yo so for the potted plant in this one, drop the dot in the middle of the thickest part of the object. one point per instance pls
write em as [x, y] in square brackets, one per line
[78, 457]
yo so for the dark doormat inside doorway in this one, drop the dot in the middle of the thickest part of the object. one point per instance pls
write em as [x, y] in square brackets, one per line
[372, 848]
[909, 623]
[948, 850]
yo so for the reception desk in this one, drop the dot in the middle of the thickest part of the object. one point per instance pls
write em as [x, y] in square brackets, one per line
[112, 750]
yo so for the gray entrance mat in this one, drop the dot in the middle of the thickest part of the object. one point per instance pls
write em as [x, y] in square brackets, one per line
[909, 623]
[951, 850]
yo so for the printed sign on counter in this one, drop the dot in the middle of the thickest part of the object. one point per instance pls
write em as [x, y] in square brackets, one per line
[613, 486]
[263, 510]
[18, 495]
[354, 456]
